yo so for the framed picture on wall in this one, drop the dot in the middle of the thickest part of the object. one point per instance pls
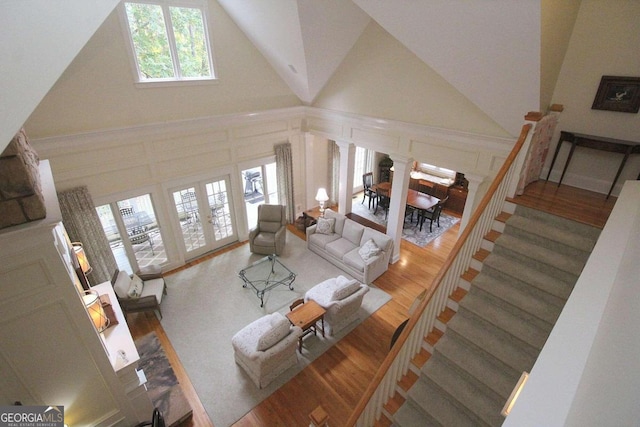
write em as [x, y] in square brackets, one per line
[618, 94]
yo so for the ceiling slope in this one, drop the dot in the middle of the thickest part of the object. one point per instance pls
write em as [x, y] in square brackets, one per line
[489, 51]
[304, 40]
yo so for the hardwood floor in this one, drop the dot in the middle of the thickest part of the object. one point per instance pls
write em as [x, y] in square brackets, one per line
[337, 379]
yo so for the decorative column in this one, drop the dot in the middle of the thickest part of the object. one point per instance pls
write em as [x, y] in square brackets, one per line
[399, 189]
[347, 161]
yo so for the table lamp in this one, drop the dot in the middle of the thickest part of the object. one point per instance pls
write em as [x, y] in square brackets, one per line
[322, 197]
[92, 303]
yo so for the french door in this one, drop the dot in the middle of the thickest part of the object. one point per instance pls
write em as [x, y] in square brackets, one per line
[260, 187]
[204, 215]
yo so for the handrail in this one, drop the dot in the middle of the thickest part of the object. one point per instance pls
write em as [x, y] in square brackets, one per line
[396, 363]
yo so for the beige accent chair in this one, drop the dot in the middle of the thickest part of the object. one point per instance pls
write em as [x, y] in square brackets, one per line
[141, 292]
[269, 237]
[341, 297]
[266, 348]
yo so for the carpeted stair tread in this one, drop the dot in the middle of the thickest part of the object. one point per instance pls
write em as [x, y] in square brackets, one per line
[539, 267]
[504, 320]
[548, 237]
[543, 306]
[552, 232]
[511, 269]
[564, 223]
[538, 256]
[475, 401]
[426, 402]
[479, 364]
[508, 350]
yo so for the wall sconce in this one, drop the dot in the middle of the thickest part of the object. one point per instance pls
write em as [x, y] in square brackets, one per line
[514, 394]
[83, 264]
[92, 303]
[322, 197]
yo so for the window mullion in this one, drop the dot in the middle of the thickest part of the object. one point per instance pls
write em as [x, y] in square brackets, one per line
[172, 42]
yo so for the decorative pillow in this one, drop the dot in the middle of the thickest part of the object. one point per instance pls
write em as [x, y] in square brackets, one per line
[369, 249]
[121, 286]
[135, 288]
[280, 326]
[325, 225]
[345, 289]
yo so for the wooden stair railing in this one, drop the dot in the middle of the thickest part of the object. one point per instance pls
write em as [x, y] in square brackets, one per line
[409, 343]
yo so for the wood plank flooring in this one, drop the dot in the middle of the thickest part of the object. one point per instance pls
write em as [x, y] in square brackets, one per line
[337, 379]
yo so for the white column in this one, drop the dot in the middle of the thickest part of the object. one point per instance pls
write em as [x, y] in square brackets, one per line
[347, 160]
[471, 203]
[399, 188]
[310, 172]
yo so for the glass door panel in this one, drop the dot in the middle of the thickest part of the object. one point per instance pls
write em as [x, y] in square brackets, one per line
[260, 187]
[133, 233]
[205, 215]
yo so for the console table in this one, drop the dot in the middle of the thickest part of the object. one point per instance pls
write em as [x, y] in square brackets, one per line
[597, 143]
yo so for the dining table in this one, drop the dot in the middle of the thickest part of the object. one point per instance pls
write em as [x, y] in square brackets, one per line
[415, 199]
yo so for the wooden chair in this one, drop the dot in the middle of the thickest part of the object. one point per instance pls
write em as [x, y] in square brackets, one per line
[432, 215]
[367, 183]
[384, 201]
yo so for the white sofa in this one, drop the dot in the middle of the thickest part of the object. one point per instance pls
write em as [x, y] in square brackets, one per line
[266, 347]
[348, 246]
[341, 297]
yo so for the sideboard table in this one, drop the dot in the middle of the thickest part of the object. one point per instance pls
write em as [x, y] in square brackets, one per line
[597, 143]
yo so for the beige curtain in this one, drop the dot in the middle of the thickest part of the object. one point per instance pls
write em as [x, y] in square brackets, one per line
[334, 173]
[81, 221]
[284, 170]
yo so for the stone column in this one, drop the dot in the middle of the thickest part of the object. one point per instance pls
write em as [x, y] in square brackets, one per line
[21, 198]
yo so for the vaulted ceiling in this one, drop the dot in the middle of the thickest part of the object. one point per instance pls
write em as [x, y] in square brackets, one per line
[489, 51]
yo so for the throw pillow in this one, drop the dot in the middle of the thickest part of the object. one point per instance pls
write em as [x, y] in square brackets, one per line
[325, 225]
[369, 250]
[345, 289]
[135, 288]
[280, 326]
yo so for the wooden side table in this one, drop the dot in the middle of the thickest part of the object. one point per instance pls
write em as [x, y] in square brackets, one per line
[305, 316]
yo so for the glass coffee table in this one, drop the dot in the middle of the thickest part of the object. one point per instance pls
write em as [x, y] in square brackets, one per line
[265, 274]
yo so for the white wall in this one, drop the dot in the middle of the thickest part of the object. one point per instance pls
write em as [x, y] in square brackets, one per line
[98, 92]
[605, 41]
[35, 50]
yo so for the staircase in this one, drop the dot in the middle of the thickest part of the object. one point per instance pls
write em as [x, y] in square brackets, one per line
[528, 268]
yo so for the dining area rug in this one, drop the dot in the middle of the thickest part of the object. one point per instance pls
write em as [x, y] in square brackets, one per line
[411, 230]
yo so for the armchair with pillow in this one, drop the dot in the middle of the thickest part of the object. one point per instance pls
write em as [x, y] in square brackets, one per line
[140, 292]
[266, 347]
[269, 237]
[341, 297]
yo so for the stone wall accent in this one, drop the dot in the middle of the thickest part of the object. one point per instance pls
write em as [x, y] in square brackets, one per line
[21, 198]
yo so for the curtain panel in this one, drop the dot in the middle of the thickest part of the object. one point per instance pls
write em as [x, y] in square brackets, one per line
[334, 173]
[284, 170]
[83, 225]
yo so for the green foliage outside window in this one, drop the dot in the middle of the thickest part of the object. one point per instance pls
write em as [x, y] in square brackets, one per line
[156, 59]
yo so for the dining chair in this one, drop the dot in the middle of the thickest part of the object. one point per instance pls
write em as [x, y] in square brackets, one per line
[383, 201]
[367, 184]
[432, 215]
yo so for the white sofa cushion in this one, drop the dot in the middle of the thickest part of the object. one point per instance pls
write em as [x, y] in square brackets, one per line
[279, 329]
[352, 231]
[354, 260]
[322, 240]
[368, 250]
[121, 286]
[340, 247]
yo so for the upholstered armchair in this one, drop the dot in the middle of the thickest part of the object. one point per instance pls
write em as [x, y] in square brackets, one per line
[141, 292]
[266, 348]
[341, 297]
[269, 237]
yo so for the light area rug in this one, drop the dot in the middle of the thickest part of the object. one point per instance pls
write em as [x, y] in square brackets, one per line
[206, 305]
[411, 231]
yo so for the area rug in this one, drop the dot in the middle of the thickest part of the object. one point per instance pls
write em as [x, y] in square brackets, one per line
[411, 231]
[163, 387]
[206, 305]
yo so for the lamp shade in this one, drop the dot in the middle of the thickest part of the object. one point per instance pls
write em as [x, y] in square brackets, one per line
[322, 195]
[82, 257]
[92, 303]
